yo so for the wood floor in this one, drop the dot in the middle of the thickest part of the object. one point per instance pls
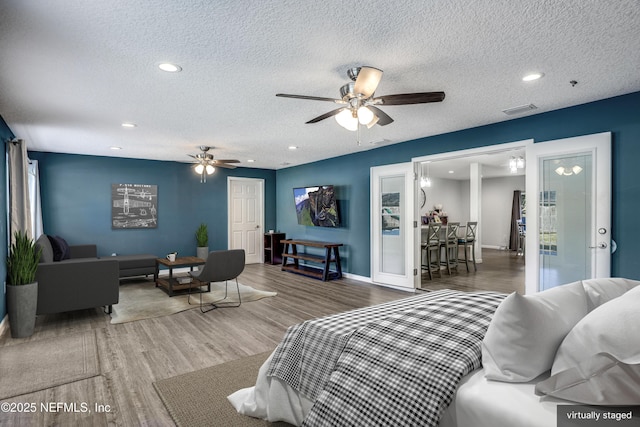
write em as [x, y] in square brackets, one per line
[134, 355]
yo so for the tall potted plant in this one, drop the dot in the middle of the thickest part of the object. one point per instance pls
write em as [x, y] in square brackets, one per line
[202, 237]
[22, 288]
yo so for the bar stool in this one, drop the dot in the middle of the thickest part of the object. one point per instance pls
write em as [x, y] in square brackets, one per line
[469, 239]
[450, 245]
[430, 242]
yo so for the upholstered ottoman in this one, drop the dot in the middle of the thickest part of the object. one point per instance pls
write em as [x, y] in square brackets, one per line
[136, 265]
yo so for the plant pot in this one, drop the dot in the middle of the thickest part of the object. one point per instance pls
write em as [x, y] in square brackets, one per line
[202, 252]
[22, 303]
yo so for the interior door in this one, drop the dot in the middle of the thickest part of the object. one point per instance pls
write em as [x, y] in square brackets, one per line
[246, 218]
[568, 230]
[392, 231]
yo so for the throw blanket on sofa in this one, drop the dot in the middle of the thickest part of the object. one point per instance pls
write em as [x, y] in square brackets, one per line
[378, 364]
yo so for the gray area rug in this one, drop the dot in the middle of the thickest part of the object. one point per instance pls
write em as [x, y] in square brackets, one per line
[199, 398]
[142, 300]
[35, 365]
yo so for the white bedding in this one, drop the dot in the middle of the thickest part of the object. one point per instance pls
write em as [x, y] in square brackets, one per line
[478, 403]
[484, 403]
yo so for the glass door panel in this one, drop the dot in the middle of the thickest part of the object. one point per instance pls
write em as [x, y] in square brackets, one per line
[392, 233]
[565, 219]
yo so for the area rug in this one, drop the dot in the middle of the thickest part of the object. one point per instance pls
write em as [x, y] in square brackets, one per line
[142, 300]
[38, 365]
[199, 398]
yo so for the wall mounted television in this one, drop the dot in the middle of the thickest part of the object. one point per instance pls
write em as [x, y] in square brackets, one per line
[316, 206]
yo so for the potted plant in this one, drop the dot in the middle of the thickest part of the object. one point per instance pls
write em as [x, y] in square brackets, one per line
[22, 288]
[202, 237]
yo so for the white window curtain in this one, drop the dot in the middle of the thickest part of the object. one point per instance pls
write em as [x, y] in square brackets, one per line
[34, 199]
[19, 211]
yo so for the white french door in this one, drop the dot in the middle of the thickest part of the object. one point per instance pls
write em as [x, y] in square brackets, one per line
[392, 232]
[568, 198]
[246, 219]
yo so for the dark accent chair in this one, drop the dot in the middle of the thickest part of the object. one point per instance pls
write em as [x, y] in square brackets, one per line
[220, 266]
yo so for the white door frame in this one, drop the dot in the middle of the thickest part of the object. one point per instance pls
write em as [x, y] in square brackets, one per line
[599, 145]
[407, 280]
[476, 206]
[260, 183]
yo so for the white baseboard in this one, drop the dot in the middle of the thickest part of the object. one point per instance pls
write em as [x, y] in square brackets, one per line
[357, 277]
[498, 248]
[368, 280]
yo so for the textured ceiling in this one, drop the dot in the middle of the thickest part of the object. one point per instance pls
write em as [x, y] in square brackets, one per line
[72, 71]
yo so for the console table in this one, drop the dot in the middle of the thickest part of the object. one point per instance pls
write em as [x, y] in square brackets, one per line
[324, 272]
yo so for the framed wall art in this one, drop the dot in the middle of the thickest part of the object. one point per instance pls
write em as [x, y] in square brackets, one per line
[134, 206]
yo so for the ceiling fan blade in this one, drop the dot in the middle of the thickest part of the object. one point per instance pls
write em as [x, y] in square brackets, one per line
[226, 161]
[313, 98]
[325, 115]
[383, 118]
[224, 165]
[367, 81]
[191, 155]
[410, 98]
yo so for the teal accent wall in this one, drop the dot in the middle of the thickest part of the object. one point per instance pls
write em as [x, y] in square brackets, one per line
[5, 135]
[350, 175]
[76, 202]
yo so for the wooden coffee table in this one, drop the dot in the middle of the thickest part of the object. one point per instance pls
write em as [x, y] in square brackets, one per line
[171, 284]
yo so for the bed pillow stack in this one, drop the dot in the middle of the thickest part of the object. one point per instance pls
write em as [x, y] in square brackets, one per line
[526, 331]
[584, 332]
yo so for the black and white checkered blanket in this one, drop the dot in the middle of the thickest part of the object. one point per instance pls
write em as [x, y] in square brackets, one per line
[397, 363]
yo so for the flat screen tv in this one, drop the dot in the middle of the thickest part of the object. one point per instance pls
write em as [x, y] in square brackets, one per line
[316, 206]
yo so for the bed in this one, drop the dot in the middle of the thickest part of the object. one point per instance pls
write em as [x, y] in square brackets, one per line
[418, 361]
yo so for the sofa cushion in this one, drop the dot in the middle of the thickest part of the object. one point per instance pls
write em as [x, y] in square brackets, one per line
[45, 245]
[60, 248]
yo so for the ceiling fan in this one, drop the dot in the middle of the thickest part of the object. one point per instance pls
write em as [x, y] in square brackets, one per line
[360, 107]
[205, 164]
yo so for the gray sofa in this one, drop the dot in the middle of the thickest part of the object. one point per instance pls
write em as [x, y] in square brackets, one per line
[79, 281]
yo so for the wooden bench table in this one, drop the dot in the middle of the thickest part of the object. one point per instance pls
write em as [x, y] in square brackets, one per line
[331, 255]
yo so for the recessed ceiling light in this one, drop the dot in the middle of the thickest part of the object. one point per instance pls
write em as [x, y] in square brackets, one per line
[129, 125]
[531, 77]
[293, 147]
[115, 148]
[450, 171]
[169, 67]
[250, 161]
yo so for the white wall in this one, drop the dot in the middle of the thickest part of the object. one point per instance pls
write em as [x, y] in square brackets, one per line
[497, 199]
[451, 195]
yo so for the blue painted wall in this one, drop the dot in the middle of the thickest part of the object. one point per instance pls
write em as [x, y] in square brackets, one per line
[350, 175]
[5, 135]
[76, 202]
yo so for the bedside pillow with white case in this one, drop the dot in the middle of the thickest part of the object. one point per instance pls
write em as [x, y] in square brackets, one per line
[526, 331]
[598, 363]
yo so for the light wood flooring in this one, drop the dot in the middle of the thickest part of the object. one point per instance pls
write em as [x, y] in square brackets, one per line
[134, 355]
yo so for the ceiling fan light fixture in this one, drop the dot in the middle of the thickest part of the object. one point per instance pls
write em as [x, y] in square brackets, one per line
[346, 120]
[199, 168]
[373, 122]
[365, 115]
[210, 169]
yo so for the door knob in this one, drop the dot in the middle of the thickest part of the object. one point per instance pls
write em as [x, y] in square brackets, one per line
[601, 245]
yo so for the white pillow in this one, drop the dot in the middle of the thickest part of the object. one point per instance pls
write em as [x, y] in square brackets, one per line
[599, 380]
[600, 291]
[526, 331]
[613, 328]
